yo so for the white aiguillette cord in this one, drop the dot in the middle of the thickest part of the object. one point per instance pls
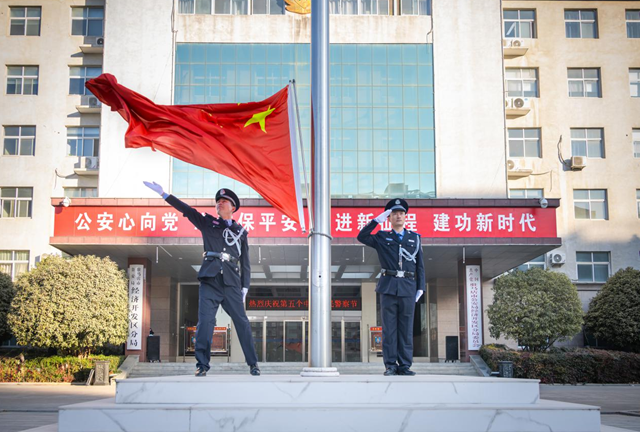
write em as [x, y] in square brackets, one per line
[233, 239]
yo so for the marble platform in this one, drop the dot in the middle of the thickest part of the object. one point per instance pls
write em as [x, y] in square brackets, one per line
[346, 403]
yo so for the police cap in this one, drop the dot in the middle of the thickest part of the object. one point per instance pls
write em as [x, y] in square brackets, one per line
[228, 195]
[397, 204]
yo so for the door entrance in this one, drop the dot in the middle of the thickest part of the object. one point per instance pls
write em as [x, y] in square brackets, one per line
[278, 340]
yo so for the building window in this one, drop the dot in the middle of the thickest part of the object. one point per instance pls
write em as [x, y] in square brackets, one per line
[633, 23]
[538, 262]
[87, 21]
[16, 202]
[522, 82]
[634, 82]
[519, 24]
[593, 266]
[590, 203]
[638, 201]
[22, 80]
[81, 192]
[78, 77]
[415, 7]
[581, 24]
[524, 143]
[83, 141]
[19, 140]
[25, 21]
[584, 82]
[525, 193]
[14, 263]
[268, 7]
[587, 142]
[636, 143]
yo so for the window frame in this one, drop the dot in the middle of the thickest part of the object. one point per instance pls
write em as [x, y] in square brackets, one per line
[586, 140]
[16, 199]
[593, 263]
[635, 142]
[526, 193]
[26, 18]
[522, 81]
[84, 192]
[590, 200]
[630, 22]
[95, 147]
[522, 141]
[87, 18]
[581, 21]
[416, 5]
[83, 78]
[13, 261]
[22, 78]
[638, 201]
[520, 22]
[583, 80]
[636, 83]
[19, 137]
[533, 263]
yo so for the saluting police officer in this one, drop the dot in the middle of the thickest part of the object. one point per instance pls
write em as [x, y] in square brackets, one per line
[224, 276]
[401, 284]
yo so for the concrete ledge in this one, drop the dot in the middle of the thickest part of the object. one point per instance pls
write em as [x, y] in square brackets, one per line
[126, 367]
[480, 366]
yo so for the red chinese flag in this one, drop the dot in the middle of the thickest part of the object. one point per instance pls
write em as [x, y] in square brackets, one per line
[254, 143]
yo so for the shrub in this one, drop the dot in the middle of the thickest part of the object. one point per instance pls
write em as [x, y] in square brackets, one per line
[53, 369]
[614, 314]
[72, 305]
[6, 295]
[536, 308]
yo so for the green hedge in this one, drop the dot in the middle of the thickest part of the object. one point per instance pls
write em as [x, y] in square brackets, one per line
[53, 369]
[567, 366]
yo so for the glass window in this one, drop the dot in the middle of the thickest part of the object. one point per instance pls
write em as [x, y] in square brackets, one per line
[587, 142]
[538, 262]
[581, 24]
[524, 143]
[593, 266]
[25, 21]
[19, 140]
[584, 82]
[519, 23]
[636, 143]
[590, 204]
[231, 7]
[81, 192]
[22, 80]
[525, 193]
[87, 21]
[633, 23]
[415, 7]
[83, 141]
[269, 7]
[14, 262]
[638, 201]
[16, 202]
[522, 82]
[78, 77]
[634, 82]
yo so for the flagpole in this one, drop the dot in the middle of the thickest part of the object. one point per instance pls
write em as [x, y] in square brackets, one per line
[320, 236]
[301, 148]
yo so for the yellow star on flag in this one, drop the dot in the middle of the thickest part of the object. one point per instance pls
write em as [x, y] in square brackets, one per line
[260, 118]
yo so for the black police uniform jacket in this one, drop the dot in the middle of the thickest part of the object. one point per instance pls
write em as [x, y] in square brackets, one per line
[212, 229]
[387, 244]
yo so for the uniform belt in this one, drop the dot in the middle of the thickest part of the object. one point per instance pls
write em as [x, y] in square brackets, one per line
[398, 273]
[222, 256]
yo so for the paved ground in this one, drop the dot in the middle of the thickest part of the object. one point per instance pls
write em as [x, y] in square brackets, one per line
[619, 404]
[28, 406]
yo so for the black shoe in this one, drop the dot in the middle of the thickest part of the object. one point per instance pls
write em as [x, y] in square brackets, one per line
[254, 370]
[406, 372]
[391, 371]
[200, 372]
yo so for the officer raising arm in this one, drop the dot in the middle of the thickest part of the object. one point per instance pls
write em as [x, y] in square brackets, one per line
[401, 284]
[224, 276]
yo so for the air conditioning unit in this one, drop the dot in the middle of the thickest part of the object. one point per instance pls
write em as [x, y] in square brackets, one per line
[557, 258]
[99, 41]
[578, 162]
[515, 171]
[90, 101]
[516, 43]
[511, 165]
[89, 162]
[517, 103]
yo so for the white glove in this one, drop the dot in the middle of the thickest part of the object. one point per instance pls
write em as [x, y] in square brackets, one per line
[244, 294]
[383, 216]
[418, 295]
[154, 187]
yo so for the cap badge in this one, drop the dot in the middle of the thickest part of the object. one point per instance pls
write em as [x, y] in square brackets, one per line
[397, 201]
[223, 192]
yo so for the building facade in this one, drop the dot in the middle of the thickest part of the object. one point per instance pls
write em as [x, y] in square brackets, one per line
[473, 126]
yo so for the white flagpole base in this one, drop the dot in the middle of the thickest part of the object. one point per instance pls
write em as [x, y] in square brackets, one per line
[320, 372]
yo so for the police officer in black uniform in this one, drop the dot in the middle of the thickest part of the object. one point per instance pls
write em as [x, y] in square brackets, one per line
[401, 284]
[224, 276]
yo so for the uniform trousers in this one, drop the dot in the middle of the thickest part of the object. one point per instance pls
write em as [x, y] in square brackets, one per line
[213, 293]
[397, 330]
